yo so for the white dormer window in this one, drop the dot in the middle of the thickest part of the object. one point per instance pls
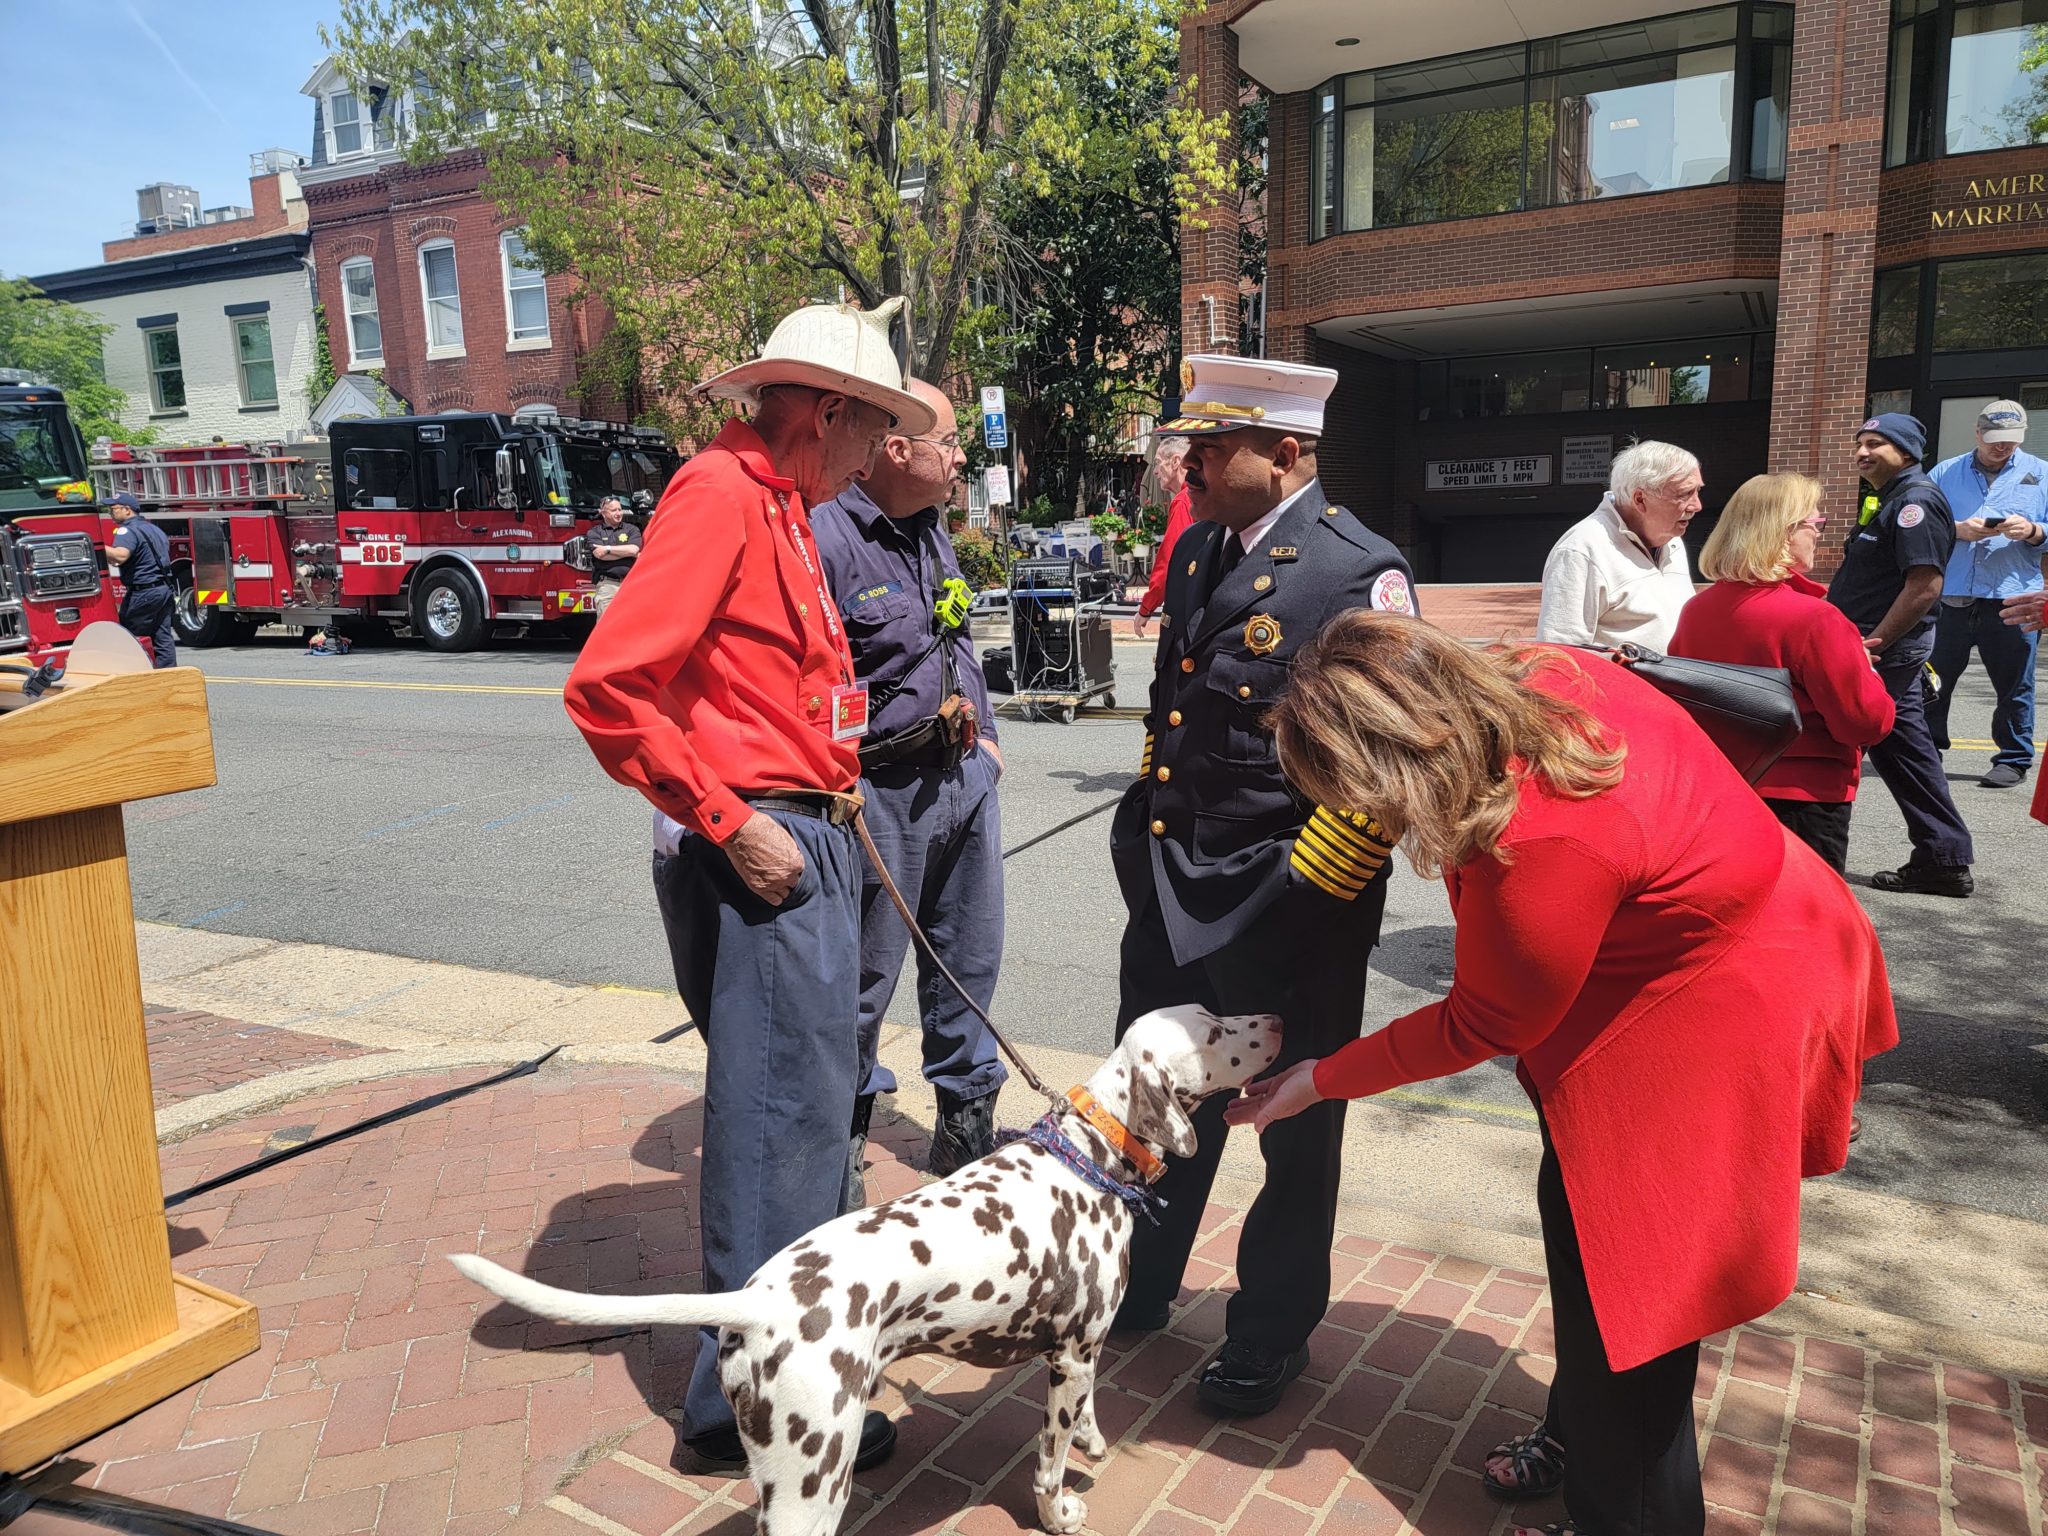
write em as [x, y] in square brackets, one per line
[345, 123]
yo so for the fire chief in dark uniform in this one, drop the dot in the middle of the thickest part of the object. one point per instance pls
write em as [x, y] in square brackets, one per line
[1241, 896]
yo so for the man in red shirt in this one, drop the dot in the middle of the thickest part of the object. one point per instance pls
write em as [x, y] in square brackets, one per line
[718, 683]
[1170, 474]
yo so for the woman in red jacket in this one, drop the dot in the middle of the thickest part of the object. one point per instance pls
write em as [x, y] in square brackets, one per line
[1762, 611]
[1690, 991]
[1169, 479]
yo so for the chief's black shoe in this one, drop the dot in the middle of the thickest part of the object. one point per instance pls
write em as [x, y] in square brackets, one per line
[721, 1453]
[2003, 776]
[966, 1131]
[855, 1195]
[1248, 1378]
[1925, 880]
[1136, 1316]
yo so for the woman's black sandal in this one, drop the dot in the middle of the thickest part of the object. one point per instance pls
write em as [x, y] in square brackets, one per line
[1535, 1465]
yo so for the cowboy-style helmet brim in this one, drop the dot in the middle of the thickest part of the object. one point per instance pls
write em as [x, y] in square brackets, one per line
[913, 417]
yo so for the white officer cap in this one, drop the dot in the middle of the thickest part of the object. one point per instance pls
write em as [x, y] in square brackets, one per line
[1224, 394]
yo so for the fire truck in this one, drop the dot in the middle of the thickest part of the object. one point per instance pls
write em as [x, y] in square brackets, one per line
[51, 580]
[450, 527]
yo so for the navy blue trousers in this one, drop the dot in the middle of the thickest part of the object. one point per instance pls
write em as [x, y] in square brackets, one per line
[774, 993]
[941, 836]
[2008, 653]
[148, 616]
[1911, 767]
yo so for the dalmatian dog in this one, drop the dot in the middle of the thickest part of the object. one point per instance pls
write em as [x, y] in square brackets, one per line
[1012, 1258]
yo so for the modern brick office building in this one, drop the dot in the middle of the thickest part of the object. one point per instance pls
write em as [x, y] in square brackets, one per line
[1525, 233]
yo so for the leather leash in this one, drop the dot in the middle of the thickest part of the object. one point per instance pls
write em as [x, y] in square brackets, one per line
[1059, 1101]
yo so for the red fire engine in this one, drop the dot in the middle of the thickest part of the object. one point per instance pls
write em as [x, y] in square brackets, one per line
[450, 527]
[51, 581]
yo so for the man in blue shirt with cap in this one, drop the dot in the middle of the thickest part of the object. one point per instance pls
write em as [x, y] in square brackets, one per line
[1999, 495]
[929, 765]
[1888, 584]
[141, 552]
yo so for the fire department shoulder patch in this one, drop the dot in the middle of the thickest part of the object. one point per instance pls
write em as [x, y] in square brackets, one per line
[1909, 517]
[1390, 593]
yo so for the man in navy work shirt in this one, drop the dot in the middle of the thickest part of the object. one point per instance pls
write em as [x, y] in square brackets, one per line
[614, 546]
[1999, 495]
[142, 554]
[1888, 584]
[929, 766]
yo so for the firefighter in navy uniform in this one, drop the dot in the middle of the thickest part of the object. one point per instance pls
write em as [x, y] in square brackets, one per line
[1241, 897]
[141, 552]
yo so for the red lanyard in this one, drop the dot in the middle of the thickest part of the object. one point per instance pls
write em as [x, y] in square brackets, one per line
[826, 607]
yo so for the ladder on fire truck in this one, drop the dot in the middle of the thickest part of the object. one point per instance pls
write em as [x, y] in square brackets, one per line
[157, 480]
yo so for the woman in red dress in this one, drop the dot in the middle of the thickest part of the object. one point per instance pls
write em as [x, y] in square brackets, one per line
[1690, 991]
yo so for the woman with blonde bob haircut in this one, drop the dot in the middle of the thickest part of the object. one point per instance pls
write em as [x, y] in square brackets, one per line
[1691, 995]
[1763, 611]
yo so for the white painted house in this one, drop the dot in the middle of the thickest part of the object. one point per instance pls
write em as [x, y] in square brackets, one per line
[211, 341]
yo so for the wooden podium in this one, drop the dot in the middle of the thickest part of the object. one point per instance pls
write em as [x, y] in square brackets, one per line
[94, 1326]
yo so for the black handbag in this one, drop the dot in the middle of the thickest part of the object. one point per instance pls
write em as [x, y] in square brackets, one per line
[1750, 713]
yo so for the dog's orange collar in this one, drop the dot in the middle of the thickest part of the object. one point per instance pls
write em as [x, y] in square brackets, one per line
[1117, 1134]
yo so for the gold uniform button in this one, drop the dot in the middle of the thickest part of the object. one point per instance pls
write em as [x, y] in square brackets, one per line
[1163, 775]
[1187, 663]
[1191, 567]
[1243, 692]
[1159, 829]
[1173, 718]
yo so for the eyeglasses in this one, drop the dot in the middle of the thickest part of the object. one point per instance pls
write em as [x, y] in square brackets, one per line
[1815, 522]
[946, 444]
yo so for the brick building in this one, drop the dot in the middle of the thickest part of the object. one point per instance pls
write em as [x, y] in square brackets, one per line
[1526, 234]
[424, 280]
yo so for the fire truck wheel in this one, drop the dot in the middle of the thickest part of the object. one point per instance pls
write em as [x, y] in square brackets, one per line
[449, 613]
[203, 625]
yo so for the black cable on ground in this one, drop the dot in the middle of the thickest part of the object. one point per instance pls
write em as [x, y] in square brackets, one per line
[522, 1069]
[404, 1111]
[52, 1491]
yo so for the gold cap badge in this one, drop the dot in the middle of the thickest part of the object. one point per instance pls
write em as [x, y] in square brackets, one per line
[1262, 634]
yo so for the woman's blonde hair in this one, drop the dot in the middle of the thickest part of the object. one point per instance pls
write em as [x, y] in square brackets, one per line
[1749, 543]
[1431, 736]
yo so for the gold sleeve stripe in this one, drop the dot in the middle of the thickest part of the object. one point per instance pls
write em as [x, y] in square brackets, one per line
[1365, 837]
[1338, 861]
[1329, 876]
[1145, 762]
[1315, 877]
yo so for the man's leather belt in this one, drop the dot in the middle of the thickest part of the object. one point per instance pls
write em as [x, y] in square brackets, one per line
[922, 746]
[837, 810]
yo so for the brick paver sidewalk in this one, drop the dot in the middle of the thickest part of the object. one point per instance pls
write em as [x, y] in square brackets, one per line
[389, 1396]
[191, 1053]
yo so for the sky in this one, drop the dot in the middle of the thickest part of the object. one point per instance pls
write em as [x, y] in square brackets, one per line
[104, 96]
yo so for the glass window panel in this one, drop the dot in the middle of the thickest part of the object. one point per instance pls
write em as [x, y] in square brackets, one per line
[1998, 76]
[1479, 388]
[1447, 157]
[166, 369]
[1322, 213]
[1358, 167]
[1672, 373]
[1453, 74]
[344, 115]
[1771, 23]
[252, 354]
[444, 299]
[1770, 95]
[1662, 34]
[359, 296]
[1983, 305]
[1899, 103]
[1648, 126]
[1895, 313]
[526, 287]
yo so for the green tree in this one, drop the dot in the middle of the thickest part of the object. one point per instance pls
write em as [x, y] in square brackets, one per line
[703, 165]
[1090, 264]
[62, 344]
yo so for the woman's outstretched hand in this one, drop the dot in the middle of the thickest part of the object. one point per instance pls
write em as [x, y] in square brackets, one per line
[1275, 1098]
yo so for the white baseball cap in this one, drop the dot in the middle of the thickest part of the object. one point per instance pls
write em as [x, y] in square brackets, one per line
[2003, 421]
[1223, 394]
[836, 348]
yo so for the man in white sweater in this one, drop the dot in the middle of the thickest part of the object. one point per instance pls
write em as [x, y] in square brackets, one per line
[1621, 573]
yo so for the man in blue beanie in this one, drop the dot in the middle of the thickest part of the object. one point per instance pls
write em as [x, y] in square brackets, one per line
[1888, 584]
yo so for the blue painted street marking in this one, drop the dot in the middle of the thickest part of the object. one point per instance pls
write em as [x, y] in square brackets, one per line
[216, 913]
[531, 810]
[410, 821]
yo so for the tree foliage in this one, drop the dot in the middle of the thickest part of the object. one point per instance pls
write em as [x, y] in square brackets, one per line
[705, 165]
[62, 343]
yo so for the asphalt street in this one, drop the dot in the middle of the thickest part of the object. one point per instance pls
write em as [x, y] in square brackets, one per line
[442, 807]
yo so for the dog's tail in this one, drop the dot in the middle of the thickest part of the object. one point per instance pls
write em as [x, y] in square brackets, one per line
[734, 1309]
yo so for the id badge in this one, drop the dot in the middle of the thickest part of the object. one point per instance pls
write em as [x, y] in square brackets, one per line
[849, 712]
